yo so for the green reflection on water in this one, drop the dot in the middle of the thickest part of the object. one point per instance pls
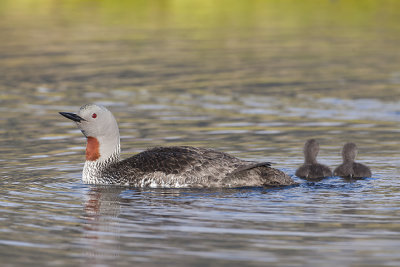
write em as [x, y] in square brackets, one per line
[209, 13]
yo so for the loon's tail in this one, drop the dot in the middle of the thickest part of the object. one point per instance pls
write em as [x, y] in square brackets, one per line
[258, 174]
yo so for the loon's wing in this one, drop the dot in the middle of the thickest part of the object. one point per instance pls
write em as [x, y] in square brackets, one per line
[251, 166]
[169, 160]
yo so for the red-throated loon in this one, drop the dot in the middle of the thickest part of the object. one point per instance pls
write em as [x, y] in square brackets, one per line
[177, 166]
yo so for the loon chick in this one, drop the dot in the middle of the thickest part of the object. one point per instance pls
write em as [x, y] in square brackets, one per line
[349, 168]
[311, 169]
[178, 166]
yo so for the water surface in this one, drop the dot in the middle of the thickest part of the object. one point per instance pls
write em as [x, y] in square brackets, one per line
[252, 78]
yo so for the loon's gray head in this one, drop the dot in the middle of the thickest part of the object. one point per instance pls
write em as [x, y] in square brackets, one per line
[100, 128]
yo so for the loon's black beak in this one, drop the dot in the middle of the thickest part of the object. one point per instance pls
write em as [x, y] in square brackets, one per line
[72, 116]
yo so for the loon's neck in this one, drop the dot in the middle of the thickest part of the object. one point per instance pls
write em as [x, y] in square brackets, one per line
[100, 154]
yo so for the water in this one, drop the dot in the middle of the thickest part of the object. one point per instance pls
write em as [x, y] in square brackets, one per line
[251, 78]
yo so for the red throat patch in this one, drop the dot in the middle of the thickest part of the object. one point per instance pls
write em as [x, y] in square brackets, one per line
[92, 149]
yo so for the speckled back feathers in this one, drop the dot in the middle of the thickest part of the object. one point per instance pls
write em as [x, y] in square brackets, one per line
[184, 166]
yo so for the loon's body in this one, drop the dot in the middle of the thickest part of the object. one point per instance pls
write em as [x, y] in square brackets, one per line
[349, 168]
[178, 166]
[311, 169]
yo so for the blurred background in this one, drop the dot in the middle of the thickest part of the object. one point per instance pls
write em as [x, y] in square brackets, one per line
[250, 77]
[185, 68]
[233, 73]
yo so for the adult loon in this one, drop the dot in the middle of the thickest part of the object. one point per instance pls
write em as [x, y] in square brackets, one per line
[349, 168]
[311, 169]
[177, 166]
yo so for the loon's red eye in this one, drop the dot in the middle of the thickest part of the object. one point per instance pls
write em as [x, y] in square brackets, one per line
[94, 115]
